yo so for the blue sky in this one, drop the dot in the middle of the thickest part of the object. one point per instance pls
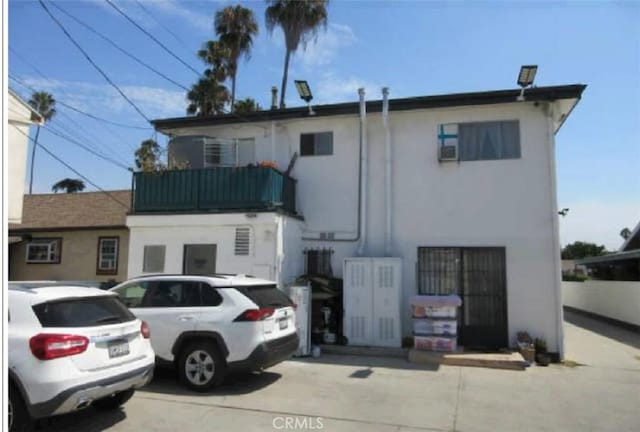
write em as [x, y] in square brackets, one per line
[414, 47]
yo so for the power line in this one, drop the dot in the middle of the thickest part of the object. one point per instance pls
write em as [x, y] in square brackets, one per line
[91, 61]
[161, 25]
[151, 36]
[71, 168]
[85, 147]
[112, 43]
[78, 110]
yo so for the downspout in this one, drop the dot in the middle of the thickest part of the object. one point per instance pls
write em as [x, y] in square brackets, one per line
[273, 141]
[363, 173]
[555, 252]
[387, 171]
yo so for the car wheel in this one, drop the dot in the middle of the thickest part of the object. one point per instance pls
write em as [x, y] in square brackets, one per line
[18, 417]
[201, 366]
[114, 401]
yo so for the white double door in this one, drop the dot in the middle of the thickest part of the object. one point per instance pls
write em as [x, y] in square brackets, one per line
[372, 293]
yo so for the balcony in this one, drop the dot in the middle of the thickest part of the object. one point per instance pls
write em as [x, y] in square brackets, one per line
[221, 189]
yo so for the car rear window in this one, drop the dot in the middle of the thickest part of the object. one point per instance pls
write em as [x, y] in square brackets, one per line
[265, 295]
[83, 312]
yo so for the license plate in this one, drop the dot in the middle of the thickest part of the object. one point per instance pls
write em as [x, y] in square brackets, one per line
[118, 349]
[284, 323]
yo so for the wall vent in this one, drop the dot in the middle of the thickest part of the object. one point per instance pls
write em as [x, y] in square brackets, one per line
[243, 241]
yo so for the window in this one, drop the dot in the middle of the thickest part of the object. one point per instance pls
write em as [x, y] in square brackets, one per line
[172, 294]
[153, 261]
[318, 262]
[243, 241]
[107, 255]
[316, 144]
[229, 152]
[210, 297]
[482, 140]
[265, 296]
[83, 312]
[44, 251]
[132, 294]
[199, 259]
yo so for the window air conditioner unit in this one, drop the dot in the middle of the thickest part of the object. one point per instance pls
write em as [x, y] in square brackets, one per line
[448, 152]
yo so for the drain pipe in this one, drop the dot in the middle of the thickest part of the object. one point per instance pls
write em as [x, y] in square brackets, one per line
[387, 170]
[364, 172]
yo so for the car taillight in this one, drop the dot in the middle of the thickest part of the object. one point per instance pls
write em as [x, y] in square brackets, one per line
[144, 330]
[46, 346]
[255, 314]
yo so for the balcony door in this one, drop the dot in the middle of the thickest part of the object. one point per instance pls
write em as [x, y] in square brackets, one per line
[199, 259]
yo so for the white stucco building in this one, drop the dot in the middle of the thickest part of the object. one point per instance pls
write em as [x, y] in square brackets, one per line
[20, 117]
[461, 188]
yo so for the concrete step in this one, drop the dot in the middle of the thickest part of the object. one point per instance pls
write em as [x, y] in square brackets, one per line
[513, 361]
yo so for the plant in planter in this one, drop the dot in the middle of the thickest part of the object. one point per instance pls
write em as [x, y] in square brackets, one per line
[525, 346]
[542, 358]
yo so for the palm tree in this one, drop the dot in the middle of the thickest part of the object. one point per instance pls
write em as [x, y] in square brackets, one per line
[247, 105]
[45, 104]
[216, 55]
[236, 27]
[69, 185]
[207, 97]
[299, 21]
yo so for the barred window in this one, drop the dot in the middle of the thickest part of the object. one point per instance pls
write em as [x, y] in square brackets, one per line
[318, 262]
[44, 251]
[107, 255]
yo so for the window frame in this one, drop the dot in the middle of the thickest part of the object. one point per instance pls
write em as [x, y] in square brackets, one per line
[144, 257]
[50, 240]
[315, 144]
[109, 271]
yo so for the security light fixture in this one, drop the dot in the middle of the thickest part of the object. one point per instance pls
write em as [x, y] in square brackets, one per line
[305, 93]
[526, 77]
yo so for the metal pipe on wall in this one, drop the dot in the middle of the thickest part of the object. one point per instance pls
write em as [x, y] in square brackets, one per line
[387, 171]
[362, 246]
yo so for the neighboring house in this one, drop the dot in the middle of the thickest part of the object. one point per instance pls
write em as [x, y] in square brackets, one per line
[571, 267]
[623, 265]
[21, 116]
[459, 188]
[77, 236]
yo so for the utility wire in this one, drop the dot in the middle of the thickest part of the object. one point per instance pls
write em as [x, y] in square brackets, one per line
[71, 168]
[78, 110]
[151, 36]
[106, 77]
[116, 46]
[161, 25]
[85, 147]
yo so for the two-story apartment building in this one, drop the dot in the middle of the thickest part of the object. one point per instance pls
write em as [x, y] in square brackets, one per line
[460, 188]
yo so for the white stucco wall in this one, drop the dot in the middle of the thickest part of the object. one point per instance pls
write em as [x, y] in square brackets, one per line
[18, 142]
[612, 299]
[507, 203]
[271, 235]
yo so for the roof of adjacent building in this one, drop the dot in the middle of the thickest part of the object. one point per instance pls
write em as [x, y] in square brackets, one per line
[533, 94]
[74, 210]
[36, 117]
[633, 241]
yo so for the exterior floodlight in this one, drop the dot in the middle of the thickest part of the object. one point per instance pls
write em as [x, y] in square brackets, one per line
[526, 77]
[305, 93]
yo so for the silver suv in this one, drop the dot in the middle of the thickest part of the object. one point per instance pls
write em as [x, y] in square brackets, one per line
[209, 325]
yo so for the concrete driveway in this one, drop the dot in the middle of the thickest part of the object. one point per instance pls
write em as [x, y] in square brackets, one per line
[344, 393]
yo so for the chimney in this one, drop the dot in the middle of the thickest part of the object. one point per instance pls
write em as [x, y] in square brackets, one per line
[274, 97]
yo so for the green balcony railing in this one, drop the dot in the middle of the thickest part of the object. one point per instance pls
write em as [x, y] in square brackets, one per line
[214, 189]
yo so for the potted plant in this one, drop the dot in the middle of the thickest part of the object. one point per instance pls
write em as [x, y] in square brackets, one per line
[542, 358]
[525, 346]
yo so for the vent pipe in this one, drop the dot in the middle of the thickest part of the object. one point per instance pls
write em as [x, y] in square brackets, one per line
[387, 171]
[363, 173]
[274, 97]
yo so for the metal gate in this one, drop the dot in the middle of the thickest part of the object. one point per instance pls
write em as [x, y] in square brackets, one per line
[478, 276]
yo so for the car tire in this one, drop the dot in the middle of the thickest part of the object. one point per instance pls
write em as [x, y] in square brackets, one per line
[19, 419]
[113, 402]
[201, 366]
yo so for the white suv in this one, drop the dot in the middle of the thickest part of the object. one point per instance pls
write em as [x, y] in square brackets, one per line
[71, 347]
[209, 325]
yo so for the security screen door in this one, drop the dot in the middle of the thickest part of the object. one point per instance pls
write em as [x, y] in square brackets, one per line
[199, 259]
[478, 276]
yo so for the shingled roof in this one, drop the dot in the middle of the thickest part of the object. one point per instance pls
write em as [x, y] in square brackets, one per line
[74, 210]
